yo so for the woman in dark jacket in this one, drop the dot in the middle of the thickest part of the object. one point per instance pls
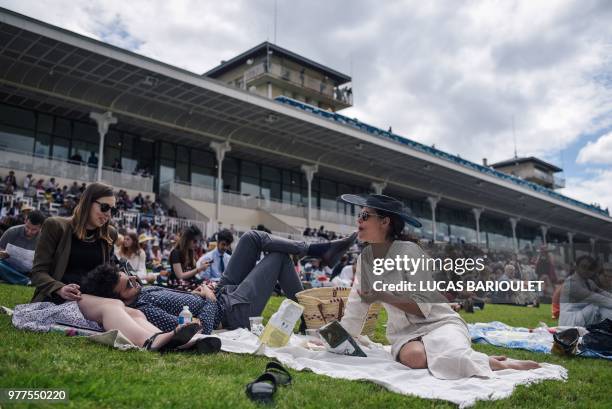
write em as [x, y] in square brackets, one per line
[68, 248]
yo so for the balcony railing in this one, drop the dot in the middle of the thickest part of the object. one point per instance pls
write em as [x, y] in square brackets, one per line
[555, 181]
[173, 224]
[22, 161]
[236, 199]
[300, 80]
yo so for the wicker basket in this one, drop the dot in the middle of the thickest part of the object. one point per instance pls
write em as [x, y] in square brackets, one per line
[326, 304]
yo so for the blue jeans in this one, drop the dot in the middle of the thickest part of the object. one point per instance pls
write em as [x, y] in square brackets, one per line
[12, 276]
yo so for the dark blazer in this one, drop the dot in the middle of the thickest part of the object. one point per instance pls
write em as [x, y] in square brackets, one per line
[52, 255]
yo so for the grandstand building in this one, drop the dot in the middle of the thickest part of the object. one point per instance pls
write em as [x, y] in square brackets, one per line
[265, 124]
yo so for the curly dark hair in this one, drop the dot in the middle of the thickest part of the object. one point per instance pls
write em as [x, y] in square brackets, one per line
[101, 281]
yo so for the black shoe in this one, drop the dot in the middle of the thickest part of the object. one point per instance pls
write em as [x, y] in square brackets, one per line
[331, 252]
[262, 389]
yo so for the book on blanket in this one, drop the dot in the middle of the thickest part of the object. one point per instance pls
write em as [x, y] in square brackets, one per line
[339, 341]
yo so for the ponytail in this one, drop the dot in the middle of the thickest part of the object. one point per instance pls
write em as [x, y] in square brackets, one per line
[396, 228]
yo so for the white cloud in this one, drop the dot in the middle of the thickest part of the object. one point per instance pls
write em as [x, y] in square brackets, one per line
[594, 187]
[450, 74]
[599, 151]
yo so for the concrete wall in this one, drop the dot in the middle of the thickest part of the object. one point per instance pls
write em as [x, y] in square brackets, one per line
[242, 218]
[300, 223]
[183, 208]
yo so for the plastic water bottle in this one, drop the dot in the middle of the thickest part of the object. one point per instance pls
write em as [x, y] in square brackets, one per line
[185, 316]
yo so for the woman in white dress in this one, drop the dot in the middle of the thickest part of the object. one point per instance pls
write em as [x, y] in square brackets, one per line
[131, 251]
[424, 330]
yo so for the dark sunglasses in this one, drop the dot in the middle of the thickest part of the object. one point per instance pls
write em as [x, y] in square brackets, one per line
[364, 216]
[133, 282]
[105, 207]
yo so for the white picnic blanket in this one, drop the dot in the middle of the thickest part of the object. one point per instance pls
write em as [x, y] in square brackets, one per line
[380, 368]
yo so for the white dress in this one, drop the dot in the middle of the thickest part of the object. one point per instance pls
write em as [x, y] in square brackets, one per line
[139, 263]
[443, 332]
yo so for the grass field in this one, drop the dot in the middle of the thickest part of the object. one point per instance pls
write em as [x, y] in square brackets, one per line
[99, 377]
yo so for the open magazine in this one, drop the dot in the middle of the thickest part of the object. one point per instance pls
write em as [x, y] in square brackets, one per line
[19, 258]
[339, 341]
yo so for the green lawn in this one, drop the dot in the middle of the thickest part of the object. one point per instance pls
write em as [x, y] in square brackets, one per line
[99, 377]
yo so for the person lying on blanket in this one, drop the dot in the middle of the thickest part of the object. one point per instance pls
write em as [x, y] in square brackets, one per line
[424, 330]
[243, 290]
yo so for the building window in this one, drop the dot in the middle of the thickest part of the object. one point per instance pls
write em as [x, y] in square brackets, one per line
[44, 124]
[62, 127]
[182, 164]
[249, 178]
[112, 148]
[203, 172]
[85, 141]
[16, 139]
[17, 117]
[42, 147]
[61, 148]
[166, 171]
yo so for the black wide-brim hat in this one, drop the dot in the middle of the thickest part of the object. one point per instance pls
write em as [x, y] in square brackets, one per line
[384, 203]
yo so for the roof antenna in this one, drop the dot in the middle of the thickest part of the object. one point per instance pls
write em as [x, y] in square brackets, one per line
[275, 18]
[514, 136]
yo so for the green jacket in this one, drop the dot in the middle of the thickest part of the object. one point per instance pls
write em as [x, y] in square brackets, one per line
[52, 255]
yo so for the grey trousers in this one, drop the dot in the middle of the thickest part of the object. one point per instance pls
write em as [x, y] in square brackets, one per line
[246, 284]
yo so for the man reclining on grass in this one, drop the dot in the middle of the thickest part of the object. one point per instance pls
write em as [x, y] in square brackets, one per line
[243, 291]
[161, 306]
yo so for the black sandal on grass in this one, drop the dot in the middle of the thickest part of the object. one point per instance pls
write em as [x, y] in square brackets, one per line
[148, 344]
[208, 345]
[280, 374]
[262, 389]
[181, 336]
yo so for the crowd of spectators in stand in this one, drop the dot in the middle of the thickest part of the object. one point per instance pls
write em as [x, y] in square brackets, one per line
[321, 233]
[51, 198]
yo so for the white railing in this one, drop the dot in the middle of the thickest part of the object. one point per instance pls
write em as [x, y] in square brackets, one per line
[176, 225]
[22, 161]
[205, 194]
[173, 224]
[556, 181]
[4, 198]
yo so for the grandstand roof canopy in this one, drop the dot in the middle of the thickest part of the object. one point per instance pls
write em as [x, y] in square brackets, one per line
[49, 69]
[265, 47]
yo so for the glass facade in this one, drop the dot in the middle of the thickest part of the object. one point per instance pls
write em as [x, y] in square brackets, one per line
[52, 136]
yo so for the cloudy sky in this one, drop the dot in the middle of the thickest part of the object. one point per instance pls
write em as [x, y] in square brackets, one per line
[454, 74]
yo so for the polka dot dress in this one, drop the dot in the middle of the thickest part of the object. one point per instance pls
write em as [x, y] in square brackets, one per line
[162, 306]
